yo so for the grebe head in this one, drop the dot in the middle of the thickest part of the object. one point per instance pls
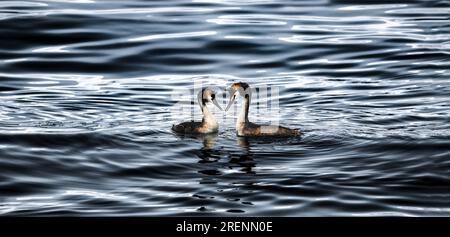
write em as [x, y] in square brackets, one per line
[207, 95]
[239, 88]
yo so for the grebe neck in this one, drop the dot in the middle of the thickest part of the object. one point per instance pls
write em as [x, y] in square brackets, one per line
[208, 118]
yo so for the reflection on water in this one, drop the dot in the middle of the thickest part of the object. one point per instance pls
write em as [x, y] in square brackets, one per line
[88, 97]
[242, 159]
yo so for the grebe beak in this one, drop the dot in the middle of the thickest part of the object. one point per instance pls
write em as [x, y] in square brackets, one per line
[216, 104]
[232, 98]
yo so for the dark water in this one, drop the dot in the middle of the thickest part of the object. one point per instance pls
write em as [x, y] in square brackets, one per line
[86, 90]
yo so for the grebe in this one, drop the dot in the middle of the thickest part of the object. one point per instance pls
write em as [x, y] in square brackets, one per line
[209, 123]
[246, 128]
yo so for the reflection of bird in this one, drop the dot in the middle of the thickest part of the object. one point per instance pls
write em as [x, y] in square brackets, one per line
[209, 140]
[244, 143]
[249, 129]
[207, 153]
[209, 123]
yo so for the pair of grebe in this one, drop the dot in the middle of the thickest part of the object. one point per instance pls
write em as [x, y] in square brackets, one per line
[244, 127]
